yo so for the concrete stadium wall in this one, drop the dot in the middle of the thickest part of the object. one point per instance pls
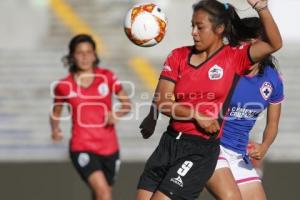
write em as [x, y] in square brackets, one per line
[24, 24]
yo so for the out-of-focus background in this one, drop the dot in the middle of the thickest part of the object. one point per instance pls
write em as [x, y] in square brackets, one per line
[34, 36]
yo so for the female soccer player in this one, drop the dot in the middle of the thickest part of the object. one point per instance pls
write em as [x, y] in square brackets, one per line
[88, 91]
[262, 88]
[201, 78]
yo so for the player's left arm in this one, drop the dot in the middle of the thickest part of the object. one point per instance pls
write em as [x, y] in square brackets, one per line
[125, 103]
[258, 151]
[124, 108]
[261, 49]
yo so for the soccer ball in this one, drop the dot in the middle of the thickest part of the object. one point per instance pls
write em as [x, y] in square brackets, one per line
[145, 24]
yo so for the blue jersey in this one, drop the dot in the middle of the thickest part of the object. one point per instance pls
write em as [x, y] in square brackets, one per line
[251, 96]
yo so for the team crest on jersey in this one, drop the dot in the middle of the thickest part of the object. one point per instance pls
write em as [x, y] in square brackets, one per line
[215, 72]
[103, 89]
[266, 90]
[83, 159]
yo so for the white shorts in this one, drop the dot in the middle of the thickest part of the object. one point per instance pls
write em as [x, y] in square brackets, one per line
[243, 172]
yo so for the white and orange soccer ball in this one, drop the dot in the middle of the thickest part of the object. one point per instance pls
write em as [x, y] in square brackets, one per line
[145, 24]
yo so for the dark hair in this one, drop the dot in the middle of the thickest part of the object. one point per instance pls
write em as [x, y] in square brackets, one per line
[256, 31]
[224, 14]
[68, 60]
[255, 28]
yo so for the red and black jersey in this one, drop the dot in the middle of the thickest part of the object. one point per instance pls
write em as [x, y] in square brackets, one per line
[89, 107]
[206, 87]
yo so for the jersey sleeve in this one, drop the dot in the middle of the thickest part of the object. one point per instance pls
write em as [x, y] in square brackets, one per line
[277, 95]
[171, 67]
[115, 84]
[61, 91]
[241, 58]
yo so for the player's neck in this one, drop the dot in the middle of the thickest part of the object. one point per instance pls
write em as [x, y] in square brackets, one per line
[209, 51]
[84, 72]
[214, 48]
[200, 57]
[84, 78]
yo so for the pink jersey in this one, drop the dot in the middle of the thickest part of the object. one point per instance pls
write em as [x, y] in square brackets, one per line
[89, 107]
[206, 87]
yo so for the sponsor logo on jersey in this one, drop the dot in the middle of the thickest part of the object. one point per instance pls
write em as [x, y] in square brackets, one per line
[215, 72]
[83, 159]
[167, 68]
[239, 112]
[103, 89]
[266, 90]
[177, 181]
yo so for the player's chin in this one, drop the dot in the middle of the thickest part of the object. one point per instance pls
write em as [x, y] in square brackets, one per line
[198, 46]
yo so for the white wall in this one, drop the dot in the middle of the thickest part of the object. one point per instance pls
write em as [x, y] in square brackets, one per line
[23, 23]
[287, 16]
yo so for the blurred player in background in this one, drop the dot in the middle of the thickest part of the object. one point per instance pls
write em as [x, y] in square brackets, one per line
[88, 91]
[261, 88]
[201, 78]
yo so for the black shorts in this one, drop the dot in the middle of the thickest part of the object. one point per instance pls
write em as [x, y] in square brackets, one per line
[180, 166]
[86, 163]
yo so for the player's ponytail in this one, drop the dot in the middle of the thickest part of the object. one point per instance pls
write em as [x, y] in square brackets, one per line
[256, 31]
[235, 29]
[68, 59]
[224, 14]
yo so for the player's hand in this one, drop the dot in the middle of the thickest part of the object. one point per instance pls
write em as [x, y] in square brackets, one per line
[210, 125]
[57, 135]
[258, 3]
[112, 119]
[148, 126]
[257, 151]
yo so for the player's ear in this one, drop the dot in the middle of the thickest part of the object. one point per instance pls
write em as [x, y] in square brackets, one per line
[220, 29]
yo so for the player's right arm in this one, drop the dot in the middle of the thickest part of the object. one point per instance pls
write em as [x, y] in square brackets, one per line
[56, 133]
[61, 90]
[166, 105]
